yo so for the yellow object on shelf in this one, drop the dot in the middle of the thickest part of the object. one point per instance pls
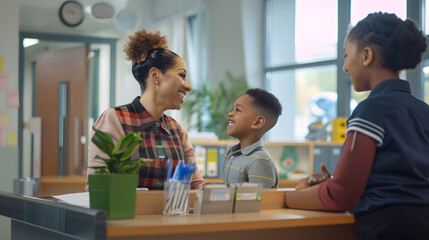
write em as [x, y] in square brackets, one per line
[339, 127]
[339, 123]
[338, 136]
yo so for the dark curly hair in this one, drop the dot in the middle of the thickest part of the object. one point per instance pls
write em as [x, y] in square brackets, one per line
[267, 102]
[147, 50]
[401, 43]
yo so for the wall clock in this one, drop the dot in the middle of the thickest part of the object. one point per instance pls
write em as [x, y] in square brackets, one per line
[71, 13]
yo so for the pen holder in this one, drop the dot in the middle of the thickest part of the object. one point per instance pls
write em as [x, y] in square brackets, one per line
[176, 195]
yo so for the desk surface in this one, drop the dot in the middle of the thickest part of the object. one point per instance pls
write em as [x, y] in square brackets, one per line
[266, 219]
[150, 223]
[55, 185]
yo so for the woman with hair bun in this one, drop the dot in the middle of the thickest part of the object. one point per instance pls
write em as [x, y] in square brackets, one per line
[163, 81]
[383, 172]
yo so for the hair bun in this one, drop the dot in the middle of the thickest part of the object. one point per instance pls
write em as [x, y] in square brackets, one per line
[141, 43]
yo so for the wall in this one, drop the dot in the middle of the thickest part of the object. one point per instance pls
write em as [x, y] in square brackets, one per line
[252, 21]
[224, 29]
[9, 51]
[166, 8]
[126, 86]
[224, 39]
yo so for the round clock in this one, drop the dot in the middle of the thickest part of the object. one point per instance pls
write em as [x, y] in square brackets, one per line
[71, 13]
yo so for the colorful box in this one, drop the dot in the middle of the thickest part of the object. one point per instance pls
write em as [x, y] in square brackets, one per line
[339, 123]
[338, 135]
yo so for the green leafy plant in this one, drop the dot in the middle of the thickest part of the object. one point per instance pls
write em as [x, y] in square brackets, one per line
[207, 108]
[119, 154]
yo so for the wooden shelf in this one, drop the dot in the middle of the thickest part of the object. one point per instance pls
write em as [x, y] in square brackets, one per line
[52, 185]
[266, 143]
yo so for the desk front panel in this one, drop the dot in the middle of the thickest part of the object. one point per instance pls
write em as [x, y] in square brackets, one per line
[268, 223]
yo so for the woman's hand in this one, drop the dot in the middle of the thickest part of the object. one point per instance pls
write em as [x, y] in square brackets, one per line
[315, 178]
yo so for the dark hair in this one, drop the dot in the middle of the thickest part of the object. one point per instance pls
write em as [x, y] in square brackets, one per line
[266, 101]
[160, 58]
[147, 50]
[401, 43]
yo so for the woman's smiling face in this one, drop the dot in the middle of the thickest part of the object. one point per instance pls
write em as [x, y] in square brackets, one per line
[174, 85]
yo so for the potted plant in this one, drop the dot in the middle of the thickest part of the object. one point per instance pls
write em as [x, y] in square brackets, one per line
[113, 187]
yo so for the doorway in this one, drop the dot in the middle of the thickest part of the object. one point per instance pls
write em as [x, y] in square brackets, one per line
[61, 84]
[63, 144]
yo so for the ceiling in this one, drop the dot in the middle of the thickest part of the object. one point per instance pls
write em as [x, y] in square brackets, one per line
[43, 17]
[46, 19]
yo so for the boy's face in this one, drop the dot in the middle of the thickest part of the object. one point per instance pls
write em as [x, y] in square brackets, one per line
[241, 117]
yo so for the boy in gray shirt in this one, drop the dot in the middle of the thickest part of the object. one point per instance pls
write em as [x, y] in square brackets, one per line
[253, 115]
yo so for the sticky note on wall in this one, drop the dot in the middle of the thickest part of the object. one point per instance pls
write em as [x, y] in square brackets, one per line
[11, 139]
[4, 120]
[4, 80]
[1, 63]
[1, 138]
[13, 99]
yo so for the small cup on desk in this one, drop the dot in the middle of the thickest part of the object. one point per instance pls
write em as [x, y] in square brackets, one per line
[177, 197]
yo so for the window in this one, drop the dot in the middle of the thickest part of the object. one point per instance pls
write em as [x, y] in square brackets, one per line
[307, 95]
[426, 17]
[302, 63]
[192, 45]
[301, 50]
[361, 8]
[292, 34]
[425, 81]
[425, 64]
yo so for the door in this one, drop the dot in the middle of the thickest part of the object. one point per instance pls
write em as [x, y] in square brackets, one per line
[61, 77]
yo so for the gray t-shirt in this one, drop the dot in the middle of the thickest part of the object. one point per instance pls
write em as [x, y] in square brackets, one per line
[251, 164]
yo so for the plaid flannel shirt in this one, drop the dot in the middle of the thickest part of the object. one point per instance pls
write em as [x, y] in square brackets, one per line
[162, 140]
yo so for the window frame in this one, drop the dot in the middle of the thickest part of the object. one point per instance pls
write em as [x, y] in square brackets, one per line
[415, 11]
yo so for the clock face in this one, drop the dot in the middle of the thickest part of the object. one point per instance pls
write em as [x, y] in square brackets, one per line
[71, 13]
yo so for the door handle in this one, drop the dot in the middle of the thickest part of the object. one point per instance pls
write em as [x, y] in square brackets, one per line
[76, 143]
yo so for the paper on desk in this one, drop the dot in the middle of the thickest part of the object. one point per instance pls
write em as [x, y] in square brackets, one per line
[81, 199]
[78, 199]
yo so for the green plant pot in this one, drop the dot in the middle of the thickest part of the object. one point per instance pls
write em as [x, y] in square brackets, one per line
[115, 193]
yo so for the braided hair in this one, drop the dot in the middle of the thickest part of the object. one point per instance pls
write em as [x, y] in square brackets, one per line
[401, 43]
[147, 50]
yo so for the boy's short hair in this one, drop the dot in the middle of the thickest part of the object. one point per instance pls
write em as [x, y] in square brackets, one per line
[267, 102]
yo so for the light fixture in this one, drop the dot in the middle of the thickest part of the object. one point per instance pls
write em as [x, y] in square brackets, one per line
[426, 71]
[126, 20]
[102, 10]
[30, 42]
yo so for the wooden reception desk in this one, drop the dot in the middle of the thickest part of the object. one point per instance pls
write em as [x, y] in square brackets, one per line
[273, 222]
[55, 185]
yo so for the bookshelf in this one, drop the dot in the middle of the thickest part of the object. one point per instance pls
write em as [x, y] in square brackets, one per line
[294, 160]
[309, 155]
